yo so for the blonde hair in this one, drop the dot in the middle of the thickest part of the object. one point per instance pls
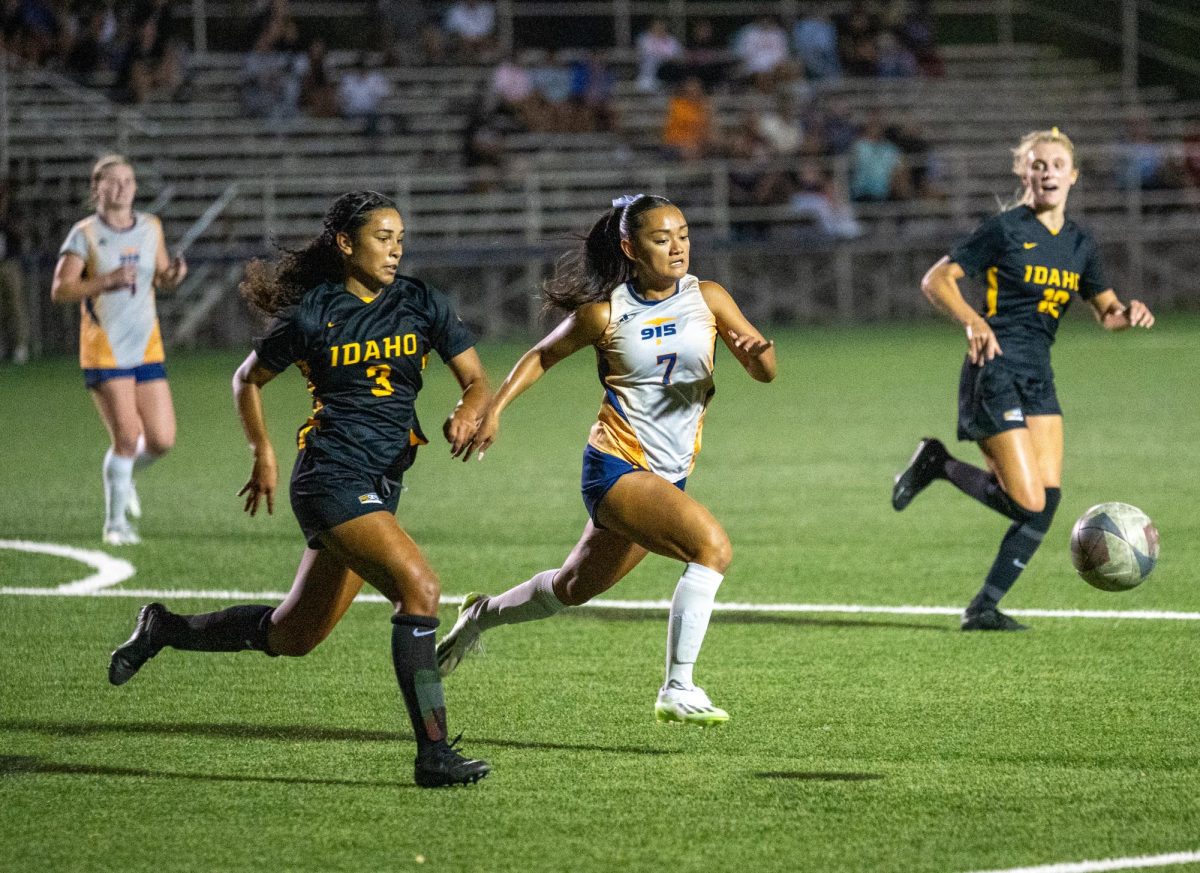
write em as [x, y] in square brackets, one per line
[102, 165]
[1053, 135]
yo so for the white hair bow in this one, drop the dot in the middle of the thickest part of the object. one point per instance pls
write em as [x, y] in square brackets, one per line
[625, 200]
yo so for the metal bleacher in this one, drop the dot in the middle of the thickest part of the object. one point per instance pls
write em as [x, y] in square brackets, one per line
[276, 178]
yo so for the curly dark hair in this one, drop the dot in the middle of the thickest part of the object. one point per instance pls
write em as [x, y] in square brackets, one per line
[270, 286]
[588, 273]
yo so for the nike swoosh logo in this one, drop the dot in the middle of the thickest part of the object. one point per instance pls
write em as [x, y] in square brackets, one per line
[1027, 245]
[330, 324]
[417, 632]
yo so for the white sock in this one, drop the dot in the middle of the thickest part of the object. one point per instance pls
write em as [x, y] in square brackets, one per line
[529, 601]
[118, 479]
[691, 608]
[143, 458]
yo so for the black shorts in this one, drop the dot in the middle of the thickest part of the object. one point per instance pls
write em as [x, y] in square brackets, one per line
[997, 396]
[325, 493]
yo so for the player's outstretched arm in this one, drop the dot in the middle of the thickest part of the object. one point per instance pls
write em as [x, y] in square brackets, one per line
[1115, 315]
[940, 287]
[754, 352]
[247, 396]
[462, 423]
[580, 329]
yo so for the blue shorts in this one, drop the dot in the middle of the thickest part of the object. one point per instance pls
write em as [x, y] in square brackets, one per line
[141, 373]
[600, 472]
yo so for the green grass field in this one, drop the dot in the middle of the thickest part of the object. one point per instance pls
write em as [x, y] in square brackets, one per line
[859, 742]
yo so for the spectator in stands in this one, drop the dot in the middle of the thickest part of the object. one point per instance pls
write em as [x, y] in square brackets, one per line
[593, 85]
[551, 79]
[655, 47]
[816, 196]
[831, 125]
[1144, 162]
[920, 164]
[36, 29]
[361, 93]
[780, 127]
[153, 65]
[858, 31]
[87, 58]
[14, 313]
[877, 171]
[483, 150]
[815, 40]
[688, 129]
[318, 93]
[761, 48]
[512, 89]
[471, 26]
[756, 178]
[270, 80]
[892, 59]
[914, 29]
[399, 26]
[1191, 156]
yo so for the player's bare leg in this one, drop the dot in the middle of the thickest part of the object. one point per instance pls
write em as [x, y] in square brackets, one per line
[116, 401]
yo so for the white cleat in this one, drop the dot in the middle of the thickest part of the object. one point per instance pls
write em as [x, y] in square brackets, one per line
[122, 535]
[133, 507]
[462, 640]
[680, 704]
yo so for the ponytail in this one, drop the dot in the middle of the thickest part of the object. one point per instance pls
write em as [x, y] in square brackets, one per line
[588, 273]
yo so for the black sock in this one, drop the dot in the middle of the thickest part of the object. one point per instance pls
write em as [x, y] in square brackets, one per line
[235, 629]
[985, 487]
[414, 656]
[1016, 549]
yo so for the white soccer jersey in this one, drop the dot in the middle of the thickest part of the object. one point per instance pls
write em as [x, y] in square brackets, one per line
[656, 363]
[118, 329]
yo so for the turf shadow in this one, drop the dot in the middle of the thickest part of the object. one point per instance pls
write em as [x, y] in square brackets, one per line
[719, 617]
[289, 732]
[22, 765]
[818, 776]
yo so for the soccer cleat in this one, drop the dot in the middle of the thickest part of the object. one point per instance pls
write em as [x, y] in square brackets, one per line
[683, 705]
[149, 636]
[133, 507]
[462, 640]
[442, 764]
[121, 535]
[990, 619]
[924, 466]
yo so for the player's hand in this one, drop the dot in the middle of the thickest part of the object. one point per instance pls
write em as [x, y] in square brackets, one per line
[1139, 314]
[458, 430]
[172, 277]
[484, 435]
[261, 485]
[121, 278]
[982, 344]
[751, 346]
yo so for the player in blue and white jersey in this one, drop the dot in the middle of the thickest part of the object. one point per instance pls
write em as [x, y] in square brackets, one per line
[654, 328]
[1034, 258]
[112, 263]
[360, 333]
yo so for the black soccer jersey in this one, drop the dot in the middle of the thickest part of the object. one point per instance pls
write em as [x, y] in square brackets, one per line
[1030, 274]
[363, 361]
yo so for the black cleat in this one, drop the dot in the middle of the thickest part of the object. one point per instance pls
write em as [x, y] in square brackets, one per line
[990, 619]
[442, 765]
[925, 466]
[147, 640]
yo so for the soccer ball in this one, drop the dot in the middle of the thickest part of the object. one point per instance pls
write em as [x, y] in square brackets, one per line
[1114, 546]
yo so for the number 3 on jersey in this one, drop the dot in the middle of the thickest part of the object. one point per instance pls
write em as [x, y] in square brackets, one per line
[381, 373]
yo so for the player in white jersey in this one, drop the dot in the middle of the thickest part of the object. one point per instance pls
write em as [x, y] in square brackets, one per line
[654, 326]
[112, 262]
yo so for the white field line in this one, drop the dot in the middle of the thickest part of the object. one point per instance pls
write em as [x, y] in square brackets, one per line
[109, 570]
[1137, 863]
[112, 571]
[647, 605]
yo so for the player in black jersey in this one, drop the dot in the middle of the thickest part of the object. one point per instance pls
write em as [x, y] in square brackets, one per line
[360, 334]
[1033, 258]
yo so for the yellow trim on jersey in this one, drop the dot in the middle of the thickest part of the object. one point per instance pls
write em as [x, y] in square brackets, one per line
[154, 353]
[612, 435]
[95, 351]
[993, 289]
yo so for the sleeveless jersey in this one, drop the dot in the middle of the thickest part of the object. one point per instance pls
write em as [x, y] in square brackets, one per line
[655, 360]
[118, 329]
